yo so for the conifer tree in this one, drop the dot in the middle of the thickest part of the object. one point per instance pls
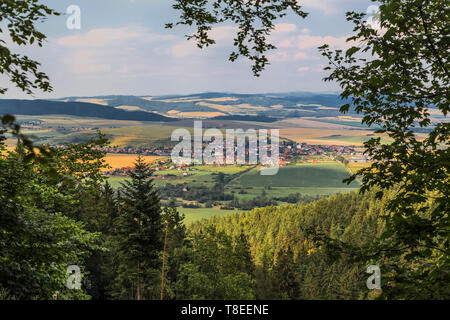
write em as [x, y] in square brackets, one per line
[139, 236]
[285, 274]
[176, 251]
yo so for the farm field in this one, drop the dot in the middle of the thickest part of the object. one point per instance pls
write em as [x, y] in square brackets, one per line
[192, 215]
[116, 161]
[202, 175]
[309, 179]
[123, 133]
[319, 136]
[138, 135]
[315, 175]
[355, 140]
[312, 123]
[355, 166]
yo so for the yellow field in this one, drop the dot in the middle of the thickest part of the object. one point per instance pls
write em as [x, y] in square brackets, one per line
[313, 135]
[177, 100]
[94, 101]
[237, 109]
[117, 161]
[204, 115]
[130, 108]
[355, 166]
[10, 144]
[312, 123]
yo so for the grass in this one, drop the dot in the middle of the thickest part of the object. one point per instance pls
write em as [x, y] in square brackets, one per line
[313, 179]
[355, 166]
[318, 175]
[276, 192]
[192, 215]
[138, 135]
[224, 169]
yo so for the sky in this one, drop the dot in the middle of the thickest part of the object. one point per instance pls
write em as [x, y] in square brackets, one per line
[123, 48]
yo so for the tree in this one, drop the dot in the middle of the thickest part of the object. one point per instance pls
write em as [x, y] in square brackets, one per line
[21, 17]
[108, 204]
[216, 269]
[38, 241]
[254, 19]
[397, 76]
[100, 264]
[138, 236]
[285, 274]
[176, 247]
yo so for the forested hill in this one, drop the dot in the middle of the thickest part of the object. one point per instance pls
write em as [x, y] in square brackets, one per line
[288, 264]
[80, 109]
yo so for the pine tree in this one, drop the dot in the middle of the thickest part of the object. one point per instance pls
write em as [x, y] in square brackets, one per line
[100, 264]
[286, 276]
[139, 236]
[109, 207]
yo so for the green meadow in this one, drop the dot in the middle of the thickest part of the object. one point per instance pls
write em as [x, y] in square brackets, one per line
[307, 175]
[192, 215]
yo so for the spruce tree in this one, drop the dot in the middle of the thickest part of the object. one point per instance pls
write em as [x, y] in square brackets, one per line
[177, 252]
[139, 236]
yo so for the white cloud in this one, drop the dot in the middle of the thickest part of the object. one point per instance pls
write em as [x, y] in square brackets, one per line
[112, 36]
[299, 44]
[120, 51]
[303, 69]
[223, 33]
[284, 28]
[301, 56]
[293, 55]
[184, 49]
[306, 41]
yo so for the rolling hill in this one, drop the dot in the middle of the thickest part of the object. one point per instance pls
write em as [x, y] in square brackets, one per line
[80, 109]
[265, 106]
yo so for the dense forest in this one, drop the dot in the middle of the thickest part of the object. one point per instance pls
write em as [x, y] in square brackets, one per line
[285, 260]
[62, 213]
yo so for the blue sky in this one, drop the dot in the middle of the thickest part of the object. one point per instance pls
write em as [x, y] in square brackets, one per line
[123, 48]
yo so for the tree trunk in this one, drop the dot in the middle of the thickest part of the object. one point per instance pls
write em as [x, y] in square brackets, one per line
[138, 289]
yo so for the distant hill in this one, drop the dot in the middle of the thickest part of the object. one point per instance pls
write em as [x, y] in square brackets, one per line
[80, 109]
[266, 106]
[233, 106]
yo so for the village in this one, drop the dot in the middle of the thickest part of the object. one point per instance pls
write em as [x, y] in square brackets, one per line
[289, 153]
